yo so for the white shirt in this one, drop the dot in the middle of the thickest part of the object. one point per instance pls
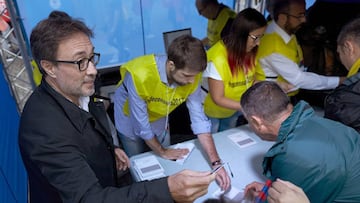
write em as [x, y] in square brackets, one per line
[277, 64]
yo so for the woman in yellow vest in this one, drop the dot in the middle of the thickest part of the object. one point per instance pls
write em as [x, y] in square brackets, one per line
[231, 69]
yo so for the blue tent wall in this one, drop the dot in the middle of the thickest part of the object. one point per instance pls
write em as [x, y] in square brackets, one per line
[13, 179]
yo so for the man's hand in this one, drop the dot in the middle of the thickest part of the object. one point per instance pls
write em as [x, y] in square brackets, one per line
[284, 191]
[285, 86]
[223, 179]
[166, 153]
[122, 160]
[342, 79]
[252, 190]
[207, 143]
[173, 154]
[186, 186]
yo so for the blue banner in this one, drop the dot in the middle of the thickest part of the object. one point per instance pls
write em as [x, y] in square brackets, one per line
[13, 178]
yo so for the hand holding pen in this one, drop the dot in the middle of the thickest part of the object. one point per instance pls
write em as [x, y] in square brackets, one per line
[257, 190]
[261, 197]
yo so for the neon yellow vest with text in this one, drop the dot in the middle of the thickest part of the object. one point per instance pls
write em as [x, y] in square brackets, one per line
[160, 98]
[215, 27]
[273, 43]
[234, 87]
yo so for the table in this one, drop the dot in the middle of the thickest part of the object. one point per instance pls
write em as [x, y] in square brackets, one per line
[245, 163]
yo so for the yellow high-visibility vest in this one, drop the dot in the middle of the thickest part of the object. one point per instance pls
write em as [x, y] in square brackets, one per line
[160, 98]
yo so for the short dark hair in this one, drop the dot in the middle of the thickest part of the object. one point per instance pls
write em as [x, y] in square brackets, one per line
[187, 51]
[48, 34]
[264, 99]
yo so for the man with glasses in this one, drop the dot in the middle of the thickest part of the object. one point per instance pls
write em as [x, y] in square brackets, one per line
[65, 136]
[279, 54]
[219, 17]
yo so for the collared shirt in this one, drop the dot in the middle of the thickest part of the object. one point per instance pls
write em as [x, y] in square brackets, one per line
[139, 125]
[276, 64]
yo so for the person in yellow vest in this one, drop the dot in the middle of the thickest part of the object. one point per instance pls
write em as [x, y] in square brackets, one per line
[231, 69]
[152, 86]
[348, 46]
[219, 17]
[279, 54]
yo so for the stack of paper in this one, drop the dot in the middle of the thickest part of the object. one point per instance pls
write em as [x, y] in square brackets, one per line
[148, 168]
[189, 145]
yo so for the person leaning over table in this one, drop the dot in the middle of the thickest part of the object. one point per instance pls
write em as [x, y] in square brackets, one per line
[220, 18]
[279, 54]
[343, 103]
[319, 155]
[64, 136]
[231, 69]
[152, 86]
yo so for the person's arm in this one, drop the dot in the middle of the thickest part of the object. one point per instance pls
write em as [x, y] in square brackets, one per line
[122, 160]
[205, 42]
[291, 72]
[217, 93]
[187, 185]
[140, 120]
[208, 146]
[253, 189]
[217, 90]
[201, 126]
[289, 168]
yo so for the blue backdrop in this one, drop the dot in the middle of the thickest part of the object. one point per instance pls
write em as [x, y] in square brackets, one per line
[13, 179]
[124, 29]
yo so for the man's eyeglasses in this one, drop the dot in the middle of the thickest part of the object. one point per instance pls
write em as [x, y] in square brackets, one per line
[297, 17]
[83, 64]
[255, 38]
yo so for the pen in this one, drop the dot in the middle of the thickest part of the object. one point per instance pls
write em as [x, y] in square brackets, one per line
[263, 193]
[231, 173]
